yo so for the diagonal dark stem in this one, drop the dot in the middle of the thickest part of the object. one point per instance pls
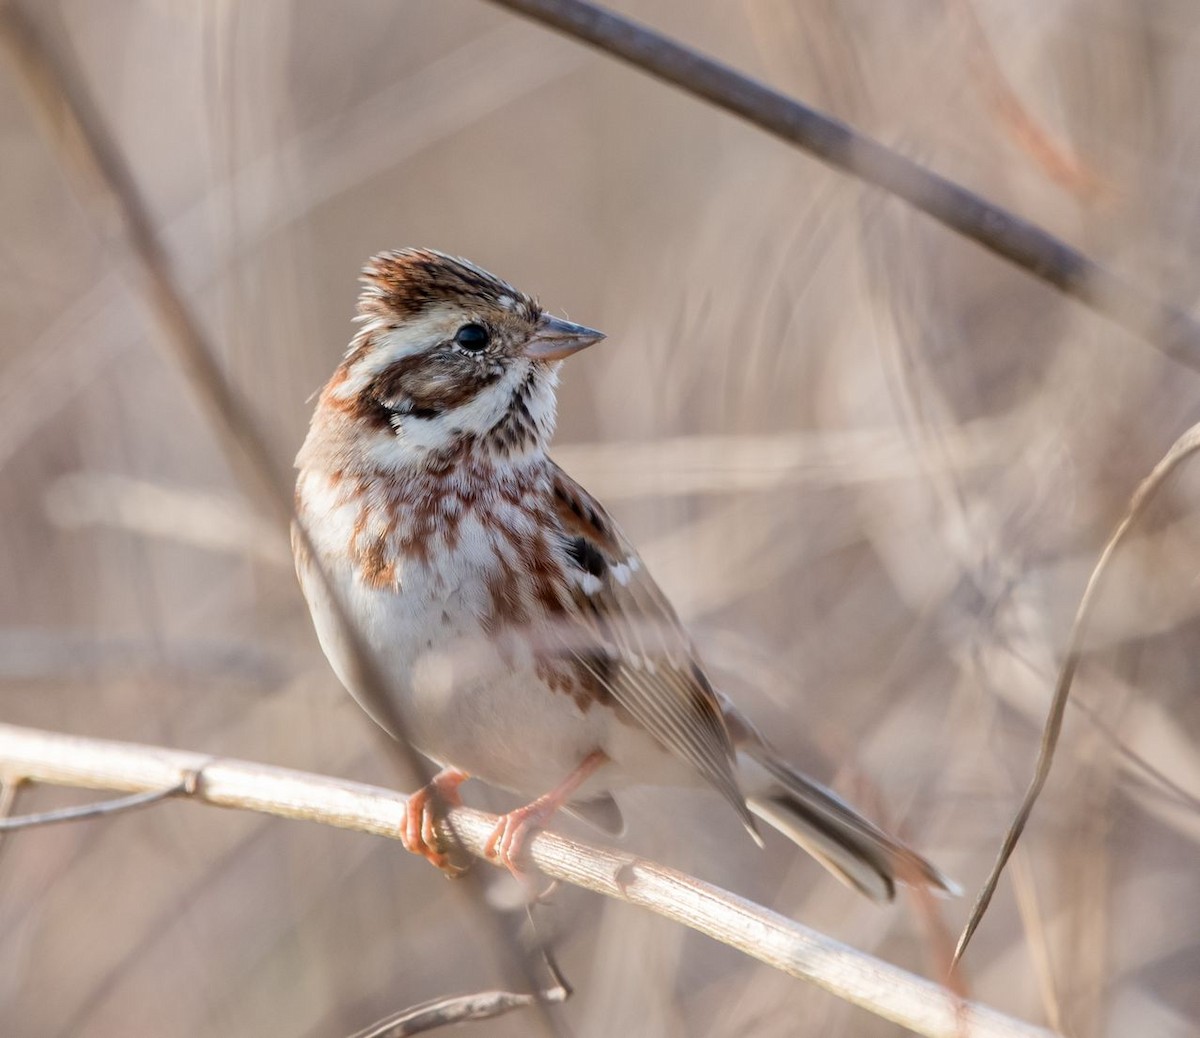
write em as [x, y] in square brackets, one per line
[1024, 244]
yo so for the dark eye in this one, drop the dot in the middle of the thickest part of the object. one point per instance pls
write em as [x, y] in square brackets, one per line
[473, 337]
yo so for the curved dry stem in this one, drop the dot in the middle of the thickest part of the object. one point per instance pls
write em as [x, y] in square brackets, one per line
[876, 986]
[458, 1009]
[1186, 445]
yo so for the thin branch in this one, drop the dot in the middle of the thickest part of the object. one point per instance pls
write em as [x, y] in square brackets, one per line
[457, 1009]
[880, 988]
[63, 106]
[81, 812]
[1163, 325]
[1182, 448]
[85, 151]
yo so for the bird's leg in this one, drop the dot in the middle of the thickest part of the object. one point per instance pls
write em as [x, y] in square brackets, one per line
[419, 833]
[513, 830]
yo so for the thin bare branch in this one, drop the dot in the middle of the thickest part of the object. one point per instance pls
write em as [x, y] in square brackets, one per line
[63, 106]
[100, 177]
[1182, 448]
[81, 812]
[457, 1009]
[1017, 240]
[880, 988]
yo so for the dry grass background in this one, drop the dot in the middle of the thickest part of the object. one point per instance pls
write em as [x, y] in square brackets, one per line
[872, 466]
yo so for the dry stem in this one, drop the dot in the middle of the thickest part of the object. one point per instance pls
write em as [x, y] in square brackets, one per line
[1181, 449]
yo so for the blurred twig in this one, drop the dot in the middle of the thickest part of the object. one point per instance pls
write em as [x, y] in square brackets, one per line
[1050, 154]
[1033, 918]
[870, 983]
[8, 799]
[99, 175]
[480, 1005]
[86, 152]
[1182, 448]
[1021, 242]
[390, 127]
[457, 1009]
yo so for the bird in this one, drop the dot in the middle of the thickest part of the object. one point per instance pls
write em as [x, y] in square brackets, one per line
[518, 636]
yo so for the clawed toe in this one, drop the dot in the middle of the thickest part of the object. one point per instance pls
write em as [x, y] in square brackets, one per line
[508, 841]
[506, 844]
[419, 833]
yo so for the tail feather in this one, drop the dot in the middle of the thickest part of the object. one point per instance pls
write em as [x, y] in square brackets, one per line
[855, 850]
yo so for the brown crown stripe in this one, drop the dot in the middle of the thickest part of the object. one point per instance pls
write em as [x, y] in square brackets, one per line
[402, 285]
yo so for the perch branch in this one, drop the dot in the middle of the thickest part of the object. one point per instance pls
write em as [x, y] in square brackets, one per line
[1021, 242]
[880, 988]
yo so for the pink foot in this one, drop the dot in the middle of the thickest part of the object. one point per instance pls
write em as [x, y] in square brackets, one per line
[419, 833]
[514, 830]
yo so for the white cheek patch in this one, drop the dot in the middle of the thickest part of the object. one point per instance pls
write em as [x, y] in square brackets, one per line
[486, 407]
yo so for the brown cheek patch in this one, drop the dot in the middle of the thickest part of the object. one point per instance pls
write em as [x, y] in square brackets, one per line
[363, 409]
[428, 385]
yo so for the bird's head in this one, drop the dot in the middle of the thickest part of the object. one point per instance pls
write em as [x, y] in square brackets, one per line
[448, 356]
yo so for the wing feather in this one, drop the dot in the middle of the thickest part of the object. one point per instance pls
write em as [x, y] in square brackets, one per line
[651, 672]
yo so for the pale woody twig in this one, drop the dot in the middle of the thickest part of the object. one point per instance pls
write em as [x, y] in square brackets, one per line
[883, 989]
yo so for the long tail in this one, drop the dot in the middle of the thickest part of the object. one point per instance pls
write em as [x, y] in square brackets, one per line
[855, 850]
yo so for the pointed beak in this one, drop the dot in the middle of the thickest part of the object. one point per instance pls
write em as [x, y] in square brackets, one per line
[555, 339]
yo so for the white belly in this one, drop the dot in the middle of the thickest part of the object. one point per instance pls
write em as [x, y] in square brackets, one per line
[464, 699]
[460, 702]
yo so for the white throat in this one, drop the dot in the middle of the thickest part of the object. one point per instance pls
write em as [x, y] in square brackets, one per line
[513, 420]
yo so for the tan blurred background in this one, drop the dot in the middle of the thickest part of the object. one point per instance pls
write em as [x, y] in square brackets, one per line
[872, 465]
